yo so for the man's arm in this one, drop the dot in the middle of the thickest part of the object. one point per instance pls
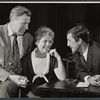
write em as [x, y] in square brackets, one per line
[3, 73]
[81, 71]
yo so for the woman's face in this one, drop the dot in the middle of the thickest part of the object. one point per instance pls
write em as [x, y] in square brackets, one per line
[44, 44]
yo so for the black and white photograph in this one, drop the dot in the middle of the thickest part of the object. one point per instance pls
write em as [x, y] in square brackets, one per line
[50, 50]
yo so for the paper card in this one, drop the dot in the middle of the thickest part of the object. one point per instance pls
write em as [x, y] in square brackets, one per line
[82, 84]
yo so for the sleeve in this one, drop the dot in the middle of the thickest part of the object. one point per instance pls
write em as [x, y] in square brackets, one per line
[53, 65]
[55, 62]
[3, 73]
[86, 78]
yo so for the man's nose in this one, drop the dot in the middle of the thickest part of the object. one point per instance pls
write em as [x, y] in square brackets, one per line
[67, 43]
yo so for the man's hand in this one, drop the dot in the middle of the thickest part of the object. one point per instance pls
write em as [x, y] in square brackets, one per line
[97, 77]
[21, 81]
[94, 81]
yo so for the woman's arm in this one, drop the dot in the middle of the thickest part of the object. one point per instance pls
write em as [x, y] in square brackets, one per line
[60, 70]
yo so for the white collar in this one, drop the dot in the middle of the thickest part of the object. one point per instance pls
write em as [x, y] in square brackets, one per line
[9, 30]
[34, 66]
[85, 53]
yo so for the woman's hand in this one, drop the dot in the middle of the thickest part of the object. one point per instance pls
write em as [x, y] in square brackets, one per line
[21, 81]
[54, 53]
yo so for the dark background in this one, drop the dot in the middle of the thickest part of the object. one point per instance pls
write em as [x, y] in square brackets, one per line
[59, 17]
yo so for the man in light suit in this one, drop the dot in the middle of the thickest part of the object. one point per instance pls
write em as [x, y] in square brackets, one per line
[87, 54]
[19, 21]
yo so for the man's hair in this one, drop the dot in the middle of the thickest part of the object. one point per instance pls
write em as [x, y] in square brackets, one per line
[80, 31]
[43, 31]
[18, 11]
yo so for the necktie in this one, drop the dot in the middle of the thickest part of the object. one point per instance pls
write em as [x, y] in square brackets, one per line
[16, 57]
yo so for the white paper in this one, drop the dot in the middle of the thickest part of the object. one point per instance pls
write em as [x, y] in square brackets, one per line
[82, 84]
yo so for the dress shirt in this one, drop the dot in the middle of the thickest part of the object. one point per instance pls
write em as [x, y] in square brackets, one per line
[85, 53]
[19, 39]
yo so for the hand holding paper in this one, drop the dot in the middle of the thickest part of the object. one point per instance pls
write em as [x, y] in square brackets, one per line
[94, 80]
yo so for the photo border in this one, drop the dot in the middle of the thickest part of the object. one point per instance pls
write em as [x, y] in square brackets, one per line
[50, 1]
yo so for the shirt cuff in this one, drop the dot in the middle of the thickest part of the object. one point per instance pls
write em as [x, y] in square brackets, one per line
[86, 78]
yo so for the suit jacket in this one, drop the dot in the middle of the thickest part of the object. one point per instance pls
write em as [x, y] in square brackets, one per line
[6, 52]
[93, 61]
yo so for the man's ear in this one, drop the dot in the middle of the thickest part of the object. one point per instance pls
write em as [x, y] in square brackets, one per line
[14, 18]
[80, 41]
[37, 42]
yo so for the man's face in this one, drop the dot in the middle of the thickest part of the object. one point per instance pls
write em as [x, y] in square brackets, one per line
[71, 42]
[44, 44]
[21, 24]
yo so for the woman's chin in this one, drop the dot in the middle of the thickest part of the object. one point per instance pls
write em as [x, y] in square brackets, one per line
[45, 52]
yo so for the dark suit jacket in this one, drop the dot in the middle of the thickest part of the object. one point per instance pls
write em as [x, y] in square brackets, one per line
[5, 50]
[93, 61]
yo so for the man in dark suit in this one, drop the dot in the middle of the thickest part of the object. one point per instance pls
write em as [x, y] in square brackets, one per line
[19, 21]
[87, 54]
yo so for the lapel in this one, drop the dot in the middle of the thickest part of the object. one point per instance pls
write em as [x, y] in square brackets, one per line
[79, 60]
[7, 40]
[2, 55]
[89, 56]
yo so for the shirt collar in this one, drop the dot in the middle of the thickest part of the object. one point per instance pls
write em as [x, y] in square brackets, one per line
[9, 30]
[86, 51]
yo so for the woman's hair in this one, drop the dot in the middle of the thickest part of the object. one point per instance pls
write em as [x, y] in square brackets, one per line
[43, 31]
[80, 31]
